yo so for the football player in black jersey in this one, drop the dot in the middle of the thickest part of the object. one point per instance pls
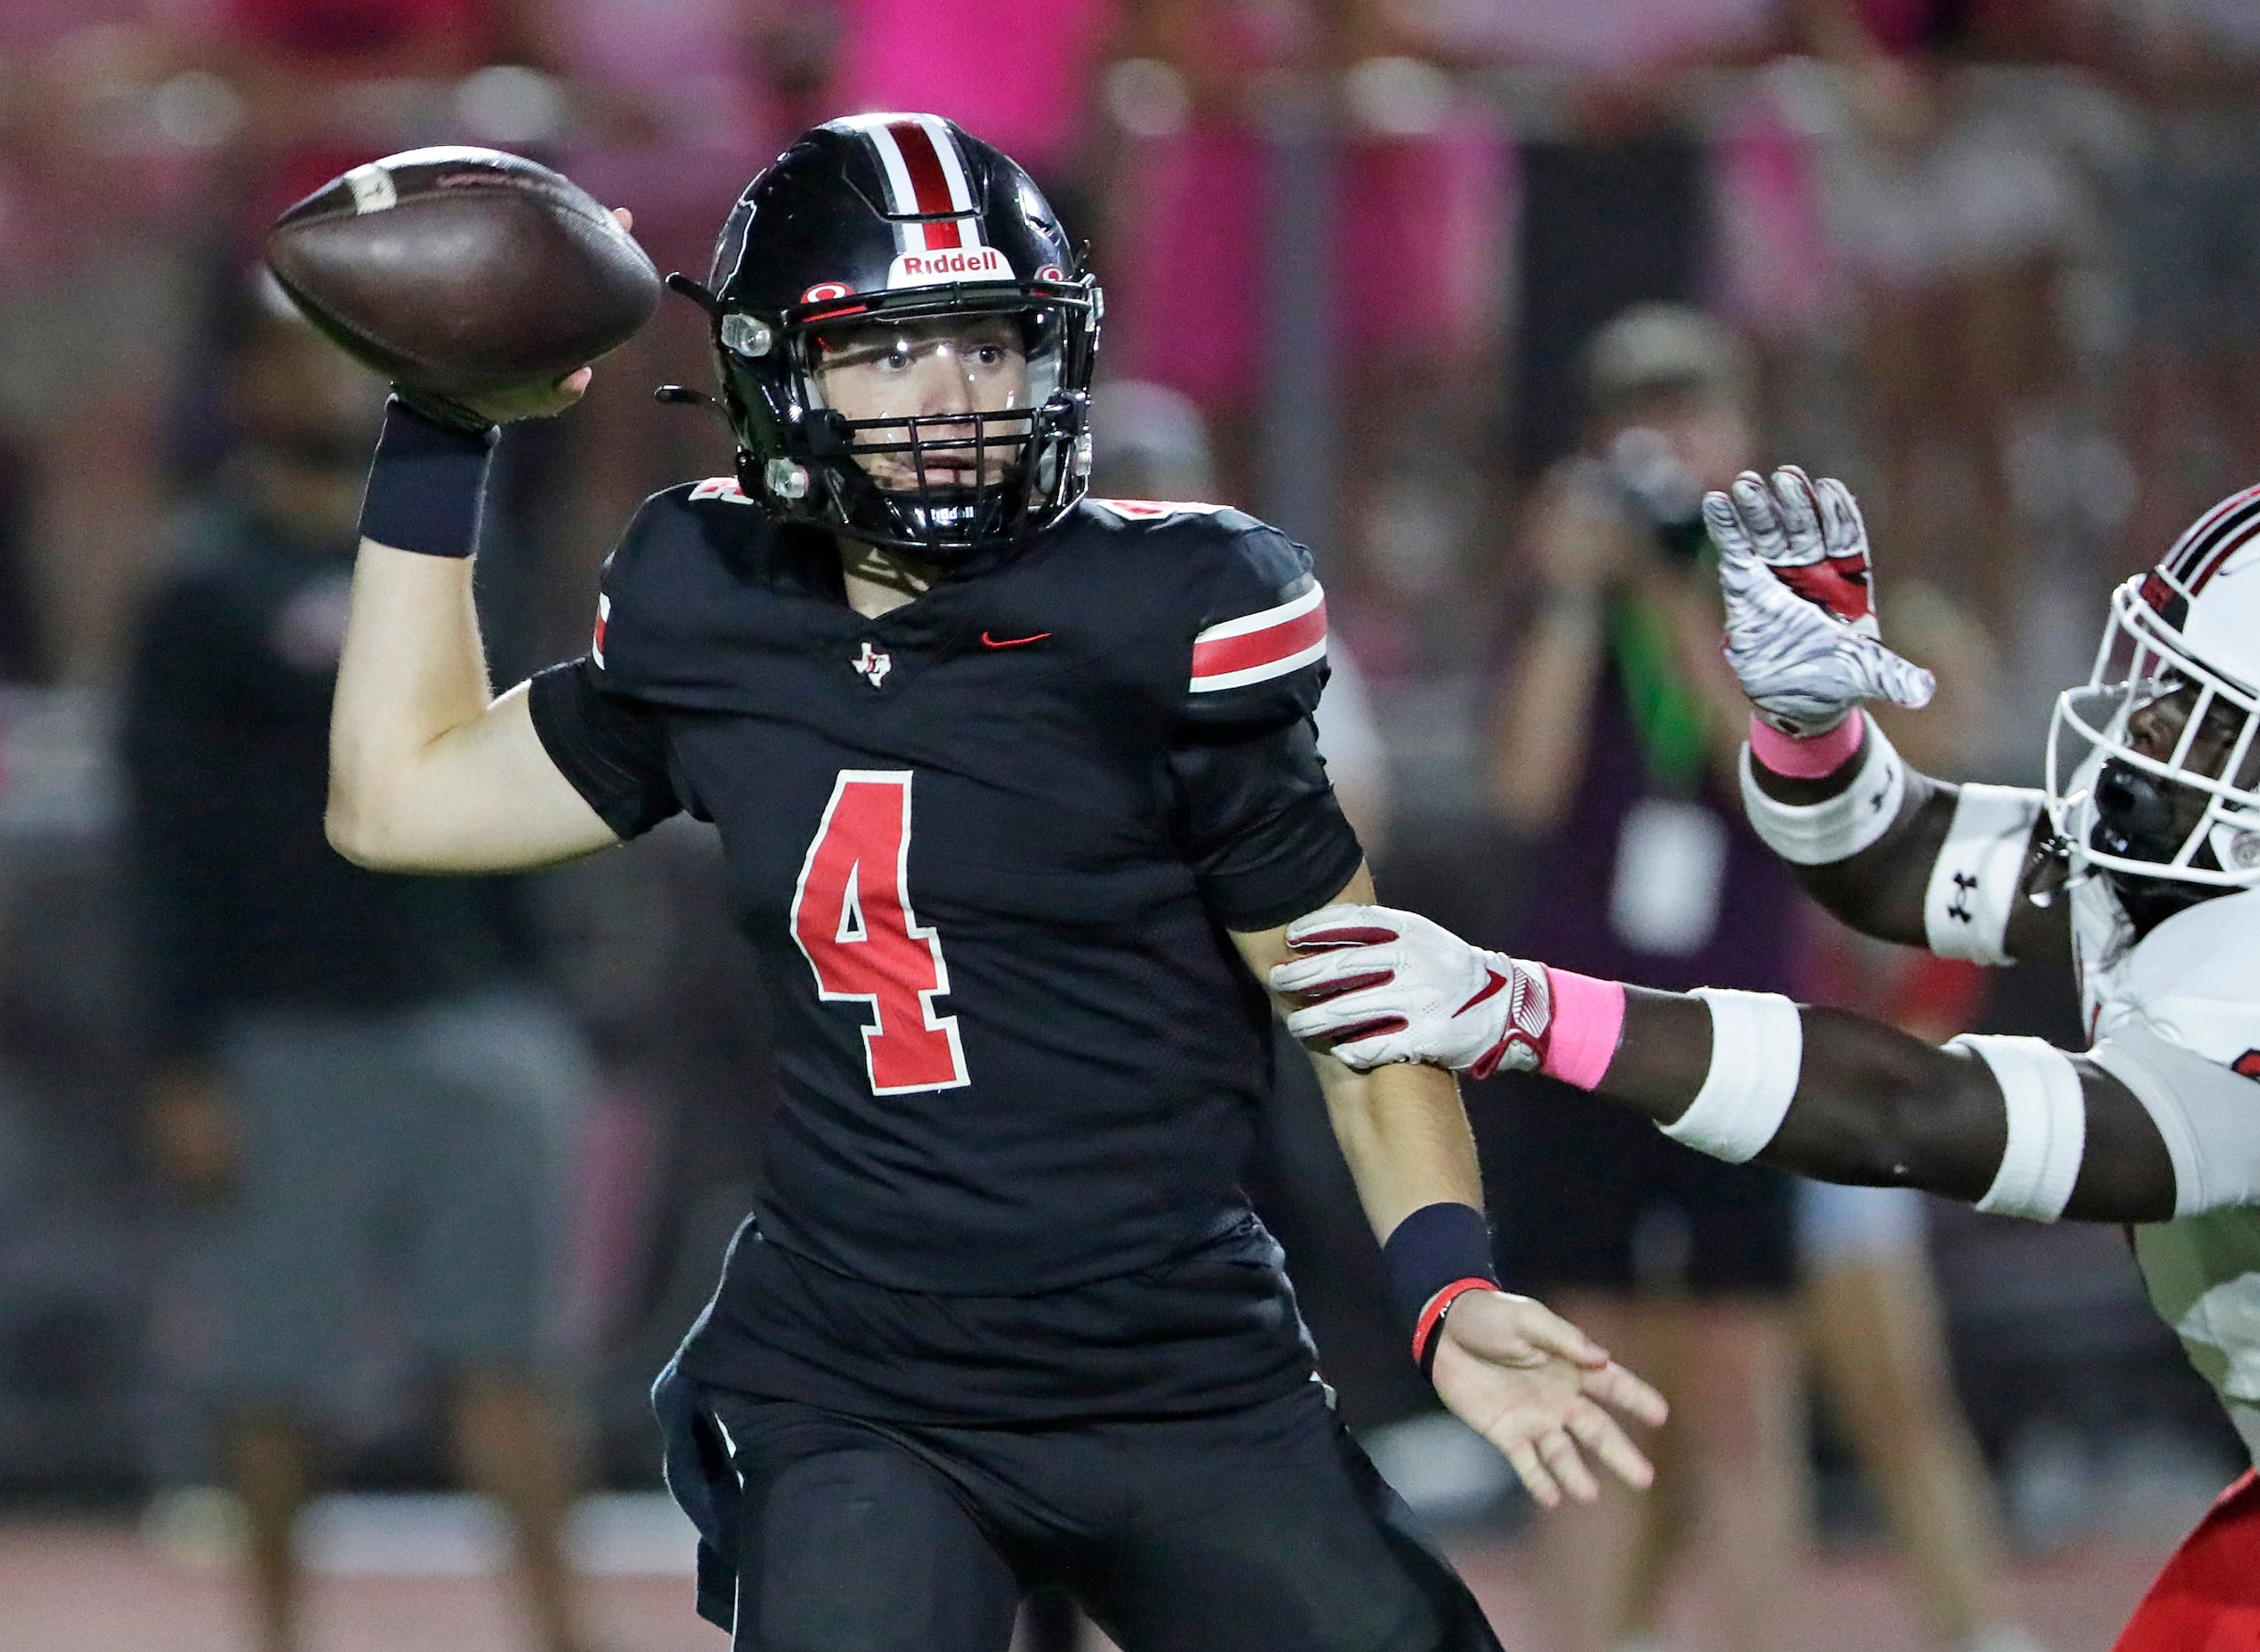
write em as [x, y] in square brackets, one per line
[1015, 787]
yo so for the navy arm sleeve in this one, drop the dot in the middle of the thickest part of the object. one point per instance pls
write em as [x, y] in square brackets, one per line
[1260, 827]
[613, 750]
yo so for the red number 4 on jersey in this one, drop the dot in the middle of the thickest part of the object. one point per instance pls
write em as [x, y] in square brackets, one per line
[852, 919]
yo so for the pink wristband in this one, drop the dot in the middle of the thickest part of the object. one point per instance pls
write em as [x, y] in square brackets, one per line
[1588, 1016]
[1807, 759]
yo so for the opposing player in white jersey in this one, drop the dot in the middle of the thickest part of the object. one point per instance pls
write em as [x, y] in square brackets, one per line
[2139, 866]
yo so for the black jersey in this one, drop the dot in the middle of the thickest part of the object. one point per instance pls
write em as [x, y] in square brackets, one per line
[988, 847]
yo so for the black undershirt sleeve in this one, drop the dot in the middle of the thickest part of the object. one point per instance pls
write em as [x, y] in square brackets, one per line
[1260, 826]
[614, 750]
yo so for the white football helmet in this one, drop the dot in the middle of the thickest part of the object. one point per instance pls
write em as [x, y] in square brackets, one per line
[2190, 624]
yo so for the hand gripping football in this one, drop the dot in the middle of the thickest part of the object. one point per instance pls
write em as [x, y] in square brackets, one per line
[463, 271]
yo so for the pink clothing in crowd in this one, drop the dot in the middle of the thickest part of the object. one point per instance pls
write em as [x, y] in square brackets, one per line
[1774, 273]
[1603, 37]
[1419, 231]
[1418, 237]
[706, 120]
[1014, 73]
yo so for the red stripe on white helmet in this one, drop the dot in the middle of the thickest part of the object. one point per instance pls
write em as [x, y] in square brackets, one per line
[2211, 540]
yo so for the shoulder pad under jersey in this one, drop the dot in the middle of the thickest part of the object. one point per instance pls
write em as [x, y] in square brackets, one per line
[1256, 621]
[665, 579]
[2195, 979]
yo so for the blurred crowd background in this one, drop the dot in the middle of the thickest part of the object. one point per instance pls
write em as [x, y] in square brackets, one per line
[1994, 262]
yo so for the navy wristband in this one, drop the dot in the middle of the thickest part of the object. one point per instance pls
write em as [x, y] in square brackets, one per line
[426, 484]
[1435, 1248]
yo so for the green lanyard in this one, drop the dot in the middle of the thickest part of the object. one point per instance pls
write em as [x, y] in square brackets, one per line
[1667, 715]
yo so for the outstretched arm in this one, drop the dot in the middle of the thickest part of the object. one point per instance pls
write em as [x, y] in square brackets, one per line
[1527, 1380]
[2011, 1124]
[1889, 851]
[429, 772]
[1963, 870]
[1873, 1106]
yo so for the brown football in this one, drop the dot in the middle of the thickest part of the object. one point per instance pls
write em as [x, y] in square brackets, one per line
[463, 271]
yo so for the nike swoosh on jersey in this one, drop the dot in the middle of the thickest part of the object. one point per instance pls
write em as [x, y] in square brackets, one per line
[988, 642]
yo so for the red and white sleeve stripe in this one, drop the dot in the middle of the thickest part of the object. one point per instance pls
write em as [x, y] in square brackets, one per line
[1261, 646]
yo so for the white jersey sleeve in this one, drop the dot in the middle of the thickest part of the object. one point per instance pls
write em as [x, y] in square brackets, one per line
[2182, 1032]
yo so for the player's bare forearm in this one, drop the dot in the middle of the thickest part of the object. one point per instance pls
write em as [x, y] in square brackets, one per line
[1874, 1106]
[427, 773]
[1402, 1130]
[1880, 891]
[1404, 1135]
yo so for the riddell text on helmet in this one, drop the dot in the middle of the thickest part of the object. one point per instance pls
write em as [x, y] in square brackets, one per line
[952, 264]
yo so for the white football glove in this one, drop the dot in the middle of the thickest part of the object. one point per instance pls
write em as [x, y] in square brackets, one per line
[1383, 986]
[1800, 629]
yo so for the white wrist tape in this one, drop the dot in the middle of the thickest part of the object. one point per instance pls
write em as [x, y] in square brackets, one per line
[1974, 881]
[2048, 1125]
[1757, 1043]
[1838, 827]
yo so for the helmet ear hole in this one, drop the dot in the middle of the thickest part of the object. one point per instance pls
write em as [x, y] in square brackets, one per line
[2236, 845]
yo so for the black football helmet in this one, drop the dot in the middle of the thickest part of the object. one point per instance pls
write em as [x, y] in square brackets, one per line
[901, 217]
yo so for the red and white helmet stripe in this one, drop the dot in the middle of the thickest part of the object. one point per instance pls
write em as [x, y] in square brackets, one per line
[928, 191]
[2209, 542]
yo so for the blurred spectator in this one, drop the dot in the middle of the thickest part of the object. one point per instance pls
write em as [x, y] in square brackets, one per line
[2192, 229]
[1874, 1321]
[327, 84]
[1246, 122]
[103, 150]
[1614, 749]
[1952, 213]
[348, 1074]
[1614, 208]
[1186, 267]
